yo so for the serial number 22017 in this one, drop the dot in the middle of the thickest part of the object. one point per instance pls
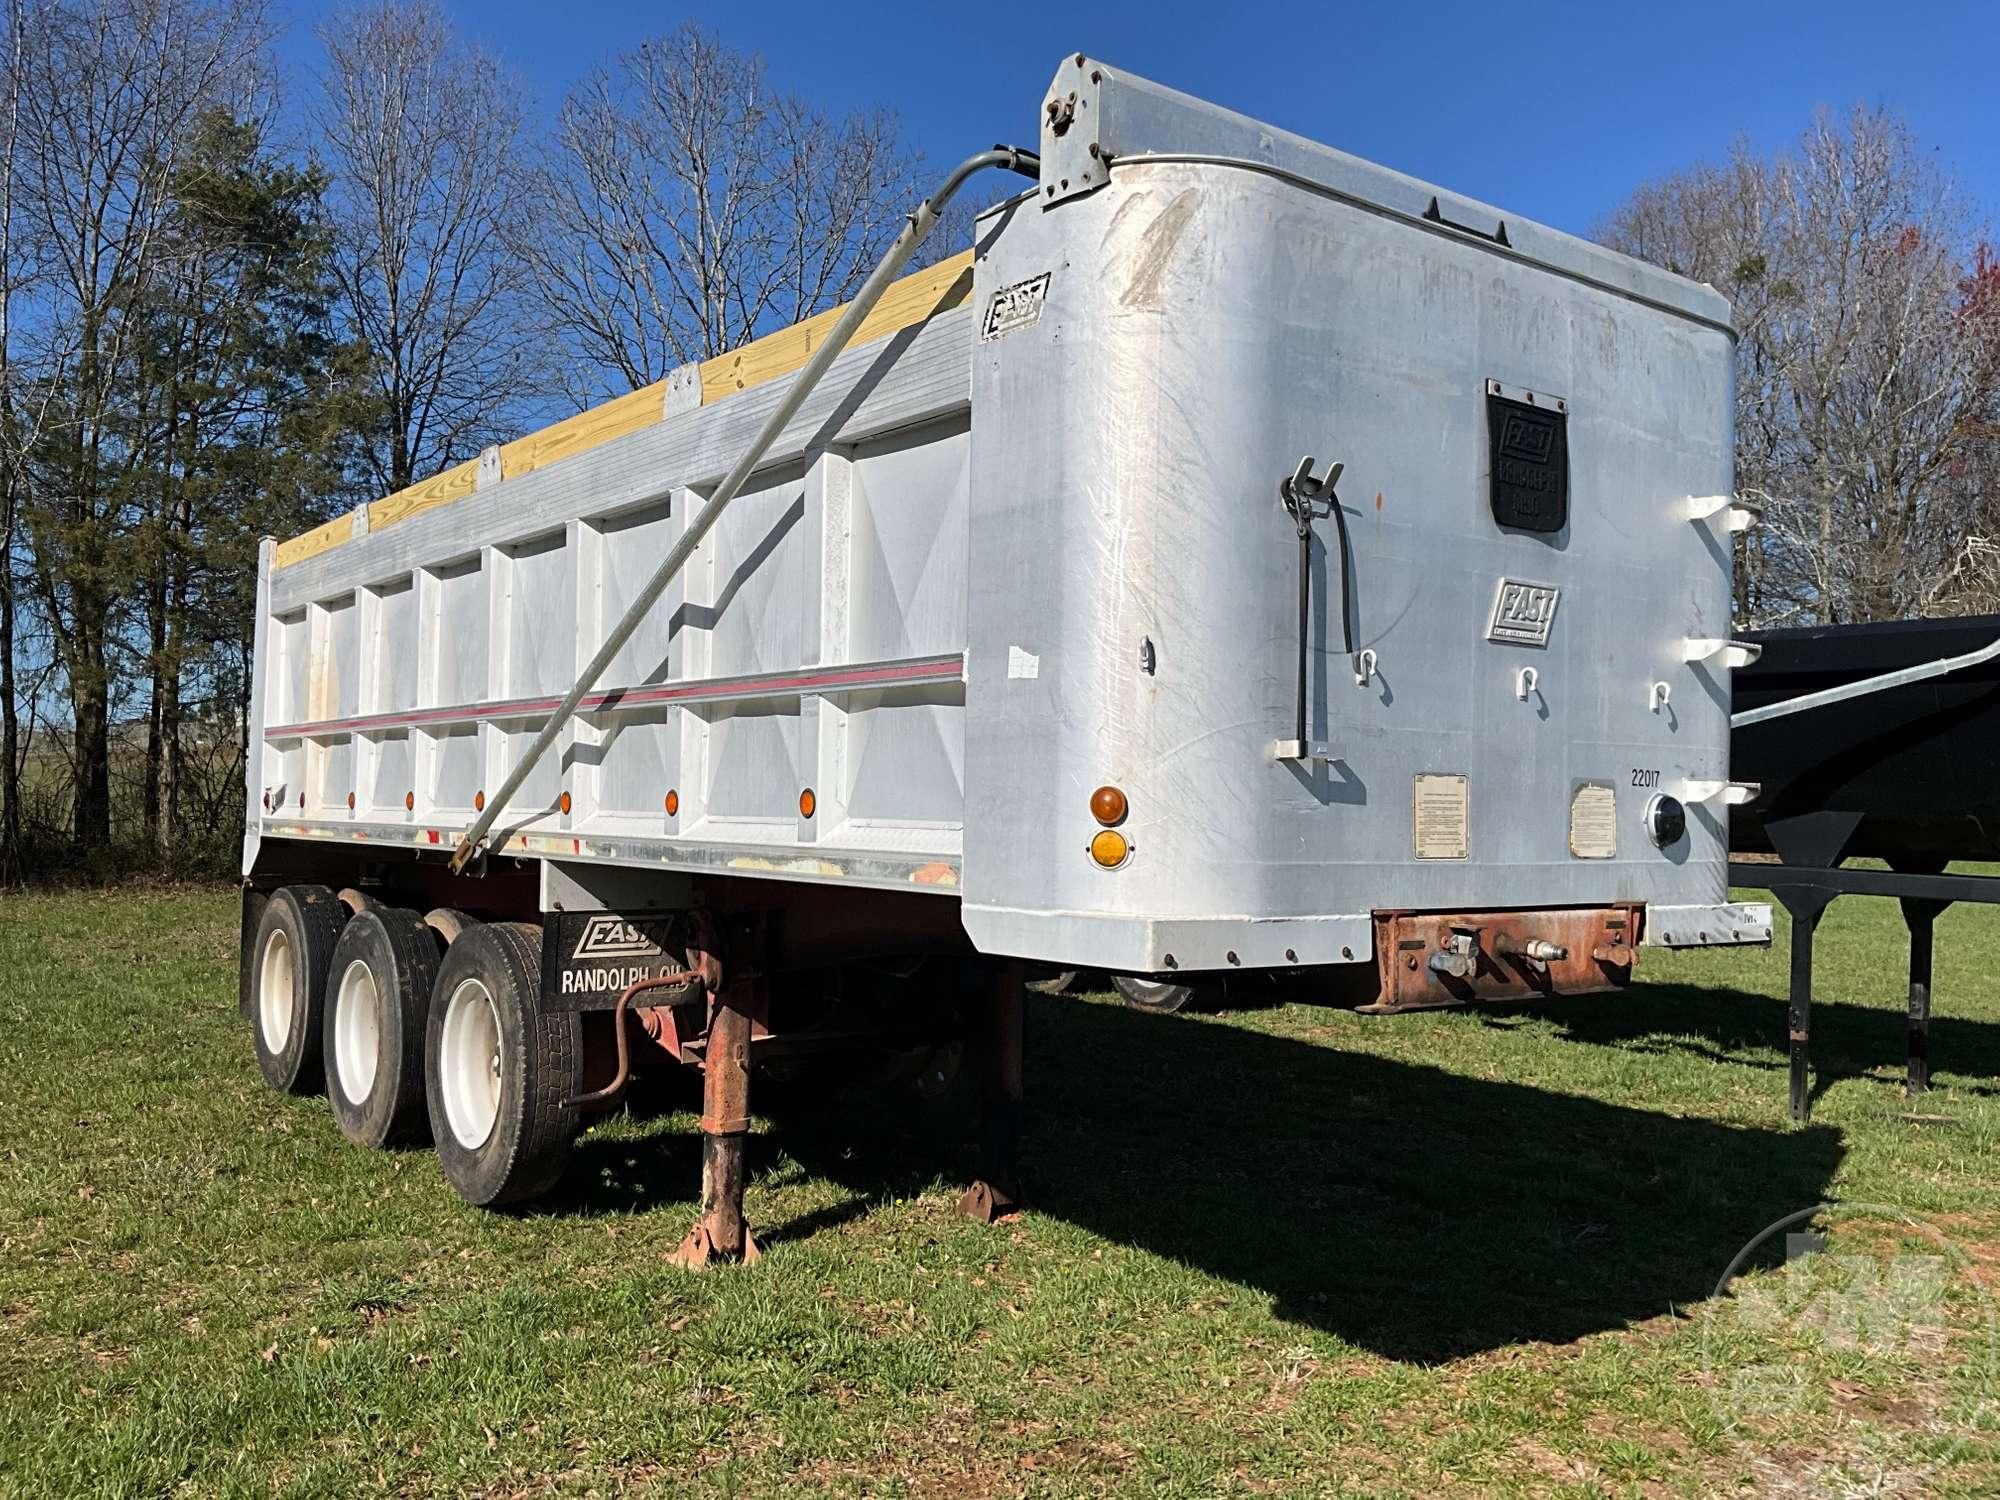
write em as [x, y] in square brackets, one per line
[1642, 777]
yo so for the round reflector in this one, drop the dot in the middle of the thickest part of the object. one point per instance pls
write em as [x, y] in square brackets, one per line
[1109, 848]
[807, 803]
[1107, 805]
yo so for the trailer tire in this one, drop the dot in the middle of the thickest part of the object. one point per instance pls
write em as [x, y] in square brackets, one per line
[377, 1003]
[290, 955]
[1163, 995]
[501, 1073]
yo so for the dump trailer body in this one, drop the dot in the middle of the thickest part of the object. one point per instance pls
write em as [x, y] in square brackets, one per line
[1905, 773]
[1040, 531]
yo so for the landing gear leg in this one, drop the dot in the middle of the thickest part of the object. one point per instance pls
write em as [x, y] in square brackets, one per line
[998, 1029]
[1920, 916]
[721, 1234]
[1806, 904]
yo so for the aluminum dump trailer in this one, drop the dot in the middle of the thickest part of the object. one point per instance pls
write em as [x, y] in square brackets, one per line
[1242, 558]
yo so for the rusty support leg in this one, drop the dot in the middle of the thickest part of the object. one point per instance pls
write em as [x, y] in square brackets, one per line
[999, 1033]
[1920, 916]
[721, 1233]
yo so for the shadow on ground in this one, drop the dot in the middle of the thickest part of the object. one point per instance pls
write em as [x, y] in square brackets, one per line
[1415, 1212]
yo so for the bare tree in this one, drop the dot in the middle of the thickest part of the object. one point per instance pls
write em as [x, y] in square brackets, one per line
[110, 93]
[685, 206]
[12, 274]
[422, 134]
[1867, 367]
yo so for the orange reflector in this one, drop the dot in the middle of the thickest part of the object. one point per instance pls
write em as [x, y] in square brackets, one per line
[563, 803]
[479, 802]
[302, 799]
[1107, 805]
[673, 803]
[409, 802]
[1109, 848]
[350, 802]
[807, 802]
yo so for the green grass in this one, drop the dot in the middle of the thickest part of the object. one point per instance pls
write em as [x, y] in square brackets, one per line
[1287, 1249]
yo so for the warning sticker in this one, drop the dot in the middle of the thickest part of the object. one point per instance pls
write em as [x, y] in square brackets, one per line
[1593, 821]
[1441, 815]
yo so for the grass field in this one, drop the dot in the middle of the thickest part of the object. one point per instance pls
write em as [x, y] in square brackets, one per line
[1287, 1249]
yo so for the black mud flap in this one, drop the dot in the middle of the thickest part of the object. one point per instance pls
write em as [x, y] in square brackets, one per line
[590, 958]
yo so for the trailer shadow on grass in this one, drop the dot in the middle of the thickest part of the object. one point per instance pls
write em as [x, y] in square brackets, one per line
[1415, 1212]
[1849, 1042]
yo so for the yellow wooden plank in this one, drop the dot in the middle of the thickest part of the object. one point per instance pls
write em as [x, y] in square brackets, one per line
[906, 303]
[910, 301]
[440, 489]
[322, 538]
[584, 431]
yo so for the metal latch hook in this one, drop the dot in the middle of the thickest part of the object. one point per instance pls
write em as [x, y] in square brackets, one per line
[1307, 498]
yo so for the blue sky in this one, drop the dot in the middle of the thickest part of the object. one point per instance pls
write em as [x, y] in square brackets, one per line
[1551, 110]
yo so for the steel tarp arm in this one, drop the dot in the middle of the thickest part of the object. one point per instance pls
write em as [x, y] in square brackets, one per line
[919, 224]
[1944, 666]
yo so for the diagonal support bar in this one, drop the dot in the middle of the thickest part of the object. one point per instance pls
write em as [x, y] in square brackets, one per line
[919, 224]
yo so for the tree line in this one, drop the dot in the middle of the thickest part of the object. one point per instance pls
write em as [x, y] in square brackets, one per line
[234, 302]
[1867, 302]
[237, 299]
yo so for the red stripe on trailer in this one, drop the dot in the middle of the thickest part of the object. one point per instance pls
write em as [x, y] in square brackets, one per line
[891, 674]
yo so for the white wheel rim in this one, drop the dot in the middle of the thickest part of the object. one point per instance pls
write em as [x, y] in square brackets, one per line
[357, 1031]
[275, 1000]
[470, 1057]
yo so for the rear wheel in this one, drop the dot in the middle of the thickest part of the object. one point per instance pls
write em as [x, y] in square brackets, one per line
[1142, 992]
[500, 1072]
[378, 998]
[289, 957]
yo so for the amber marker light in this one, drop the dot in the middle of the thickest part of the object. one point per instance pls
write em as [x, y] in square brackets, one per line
[1109, 848]
[1107, 805]
[409, 802]
[807, 803]
[479, 802]
[563, 803]
[673, 804]
[350, 802]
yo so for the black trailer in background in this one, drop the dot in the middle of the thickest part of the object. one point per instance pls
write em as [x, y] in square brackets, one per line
[1868, 742]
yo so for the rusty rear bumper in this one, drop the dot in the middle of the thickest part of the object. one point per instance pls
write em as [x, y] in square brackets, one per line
[1424, 960]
